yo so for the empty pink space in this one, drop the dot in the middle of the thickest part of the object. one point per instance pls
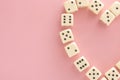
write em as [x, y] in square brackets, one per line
[31, 49]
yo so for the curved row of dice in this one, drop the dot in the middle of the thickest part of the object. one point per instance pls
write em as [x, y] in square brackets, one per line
[67, 38]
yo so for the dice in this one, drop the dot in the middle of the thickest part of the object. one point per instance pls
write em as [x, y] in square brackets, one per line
[82, 3]
[67, 20]
[107, 17]
[115, 8]
[96, 6]
[70, 6]
[72, 49]
[81, 64]
[66, 36]
[112, 74]
[118, 65]
[93, 74]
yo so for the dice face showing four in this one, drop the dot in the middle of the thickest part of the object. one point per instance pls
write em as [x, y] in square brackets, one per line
[70, 6]
[81, 64]
[112, 74]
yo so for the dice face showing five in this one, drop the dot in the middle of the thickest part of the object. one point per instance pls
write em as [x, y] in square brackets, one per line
[107, 17]
[66, 36]
[72, 49]
[93, 74]
[82, 3]
[112, 74]
[67, 20]
[81, 64]
[115, 8]
[96, 6]
[70, 6]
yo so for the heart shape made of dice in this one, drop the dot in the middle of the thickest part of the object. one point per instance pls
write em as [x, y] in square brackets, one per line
[67, 20]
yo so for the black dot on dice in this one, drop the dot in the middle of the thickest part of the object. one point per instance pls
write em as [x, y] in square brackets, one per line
[68, 47]
[64, 38]
[72, 2]
[67, 31]
[108, 20]
[68, 9]
[85, 64]
[80, 67]
[113, 71]
[93, 73]
[80, 3]
[112, 78]
[100, 5]
[95, 1]
[93, 77]
[107, 16]
[92, 5]
[62, 33]
[64, 22]
[69, 21]
[93, 69]
[96, 9]
[64, 16]
[82, 59]
[107, 12]
[117, 8]
[96, 5]
[97, 73]
[66, 35]
[69, 36]
[77, 62]
[116, 75]
[108, 74]
[112, 74]
[75, 50]
[89, 73]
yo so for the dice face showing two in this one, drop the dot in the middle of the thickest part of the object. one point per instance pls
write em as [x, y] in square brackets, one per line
[93, 74]
[112, 74]
[70, 6]
[96, 6]
[66, 36]
[107, 17]
[67, 20]
[115, 8]
[82, 3]
[72, 49]
[81, 64]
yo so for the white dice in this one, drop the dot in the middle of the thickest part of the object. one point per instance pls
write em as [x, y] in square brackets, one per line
[67, 20]
[103, 78]
[81, 64]
[112, 74]
[66, 36]
[115, 8]
[72, 49]
[82, 3]
[93, 74]
[118, 65]
[107, 17]
[70, 6]
[96, 6]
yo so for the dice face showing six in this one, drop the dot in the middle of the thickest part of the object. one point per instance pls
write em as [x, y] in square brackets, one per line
[107, 17]
[70, 6]
[96, 6]
[112, 74]
[72, 49]
[81, 64]
[67, 20]
[93, 74]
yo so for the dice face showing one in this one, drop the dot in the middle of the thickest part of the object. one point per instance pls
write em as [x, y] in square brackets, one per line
[82, 3]
[70, 6]
[115, 8]
[118, 65]
[66, 36]
[81, 64]
[93, 74]
[67, 20]
[112, 74]
[107, 17]
[72, 49]
[96, 6]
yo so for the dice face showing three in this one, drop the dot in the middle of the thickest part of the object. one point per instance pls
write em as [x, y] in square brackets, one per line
[72, 49]
[107, 17]
[67, 20]
[96, 6]
[93, 74]
[66, 36]
[115, 8]
[112, 74]
[81, 64]
[70, 6]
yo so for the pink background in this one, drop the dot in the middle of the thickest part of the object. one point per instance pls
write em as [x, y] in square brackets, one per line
[30, 47]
